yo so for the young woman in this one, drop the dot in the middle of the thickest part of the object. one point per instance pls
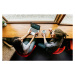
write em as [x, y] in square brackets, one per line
[24, 47]
[57, 37]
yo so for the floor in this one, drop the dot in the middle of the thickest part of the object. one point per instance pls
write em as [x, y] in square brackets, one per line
[37, 55]
[7, 52]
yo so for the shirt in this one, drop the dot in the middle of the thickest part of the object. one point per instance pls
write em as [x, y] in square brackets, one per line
[54, 45]
[26, 47]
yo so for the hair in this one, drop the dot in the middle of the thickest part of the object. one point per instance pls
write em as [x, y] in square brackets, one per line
[59, 33]
[17, 44]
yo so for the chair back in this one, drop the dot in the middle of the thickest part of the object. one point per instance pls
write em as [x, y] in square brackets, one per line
[59, 50]
[26, 55]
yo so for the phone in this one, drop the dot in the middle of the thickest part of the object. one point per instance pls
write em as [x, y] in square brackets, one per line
[44, 31]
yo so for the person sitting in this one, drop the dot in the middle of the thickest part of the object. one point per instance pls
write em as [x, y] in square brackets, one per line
[24, 47]
[57, 37]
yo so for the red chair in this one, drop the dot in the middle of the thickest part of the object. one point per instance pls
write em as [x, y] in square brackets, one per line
[26, 55]
[59, 50]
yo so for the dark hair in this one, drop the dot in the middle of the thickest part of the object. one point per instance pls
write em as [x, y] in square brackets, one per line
[17, 44]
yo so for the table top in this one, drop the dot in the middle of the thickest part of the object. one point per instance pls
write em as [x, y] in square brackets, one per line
[19, 30]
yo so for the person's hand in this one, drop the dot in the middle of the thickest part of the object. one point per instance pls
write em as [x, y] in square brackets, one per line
[43, 34]
[20, 39]
[29, 32]
[36, 34]
[50, 29]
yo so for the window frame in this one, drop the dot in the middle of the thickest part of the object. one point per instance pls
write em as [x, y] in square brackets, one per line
[61, 17]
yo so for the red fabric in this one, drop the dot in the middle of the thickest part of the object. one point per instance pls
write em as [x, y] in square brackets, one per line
[26, 55]
[71, 44]
[59, 50]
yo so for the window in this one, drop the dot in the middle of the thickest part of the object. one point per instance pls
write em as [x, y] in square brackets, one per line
[30, 17]
[68, 19]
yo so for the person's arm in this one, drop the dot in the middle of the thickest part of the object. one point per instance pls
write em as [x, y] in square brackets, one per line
[33, 37]
[50, 29]
[43, 34]
[45, 41]
[23, 37]
[50, 45]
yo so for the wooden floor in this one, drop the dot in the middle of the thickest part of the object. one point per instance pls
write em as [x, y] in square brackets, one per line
[18, 30]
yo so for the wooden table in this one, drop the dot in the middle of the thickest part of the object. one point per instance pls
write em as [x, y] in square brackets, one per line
[18, 30]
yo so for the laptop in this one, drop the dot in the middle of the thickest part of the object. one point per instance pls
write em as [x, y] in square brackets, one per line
[34, 28]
